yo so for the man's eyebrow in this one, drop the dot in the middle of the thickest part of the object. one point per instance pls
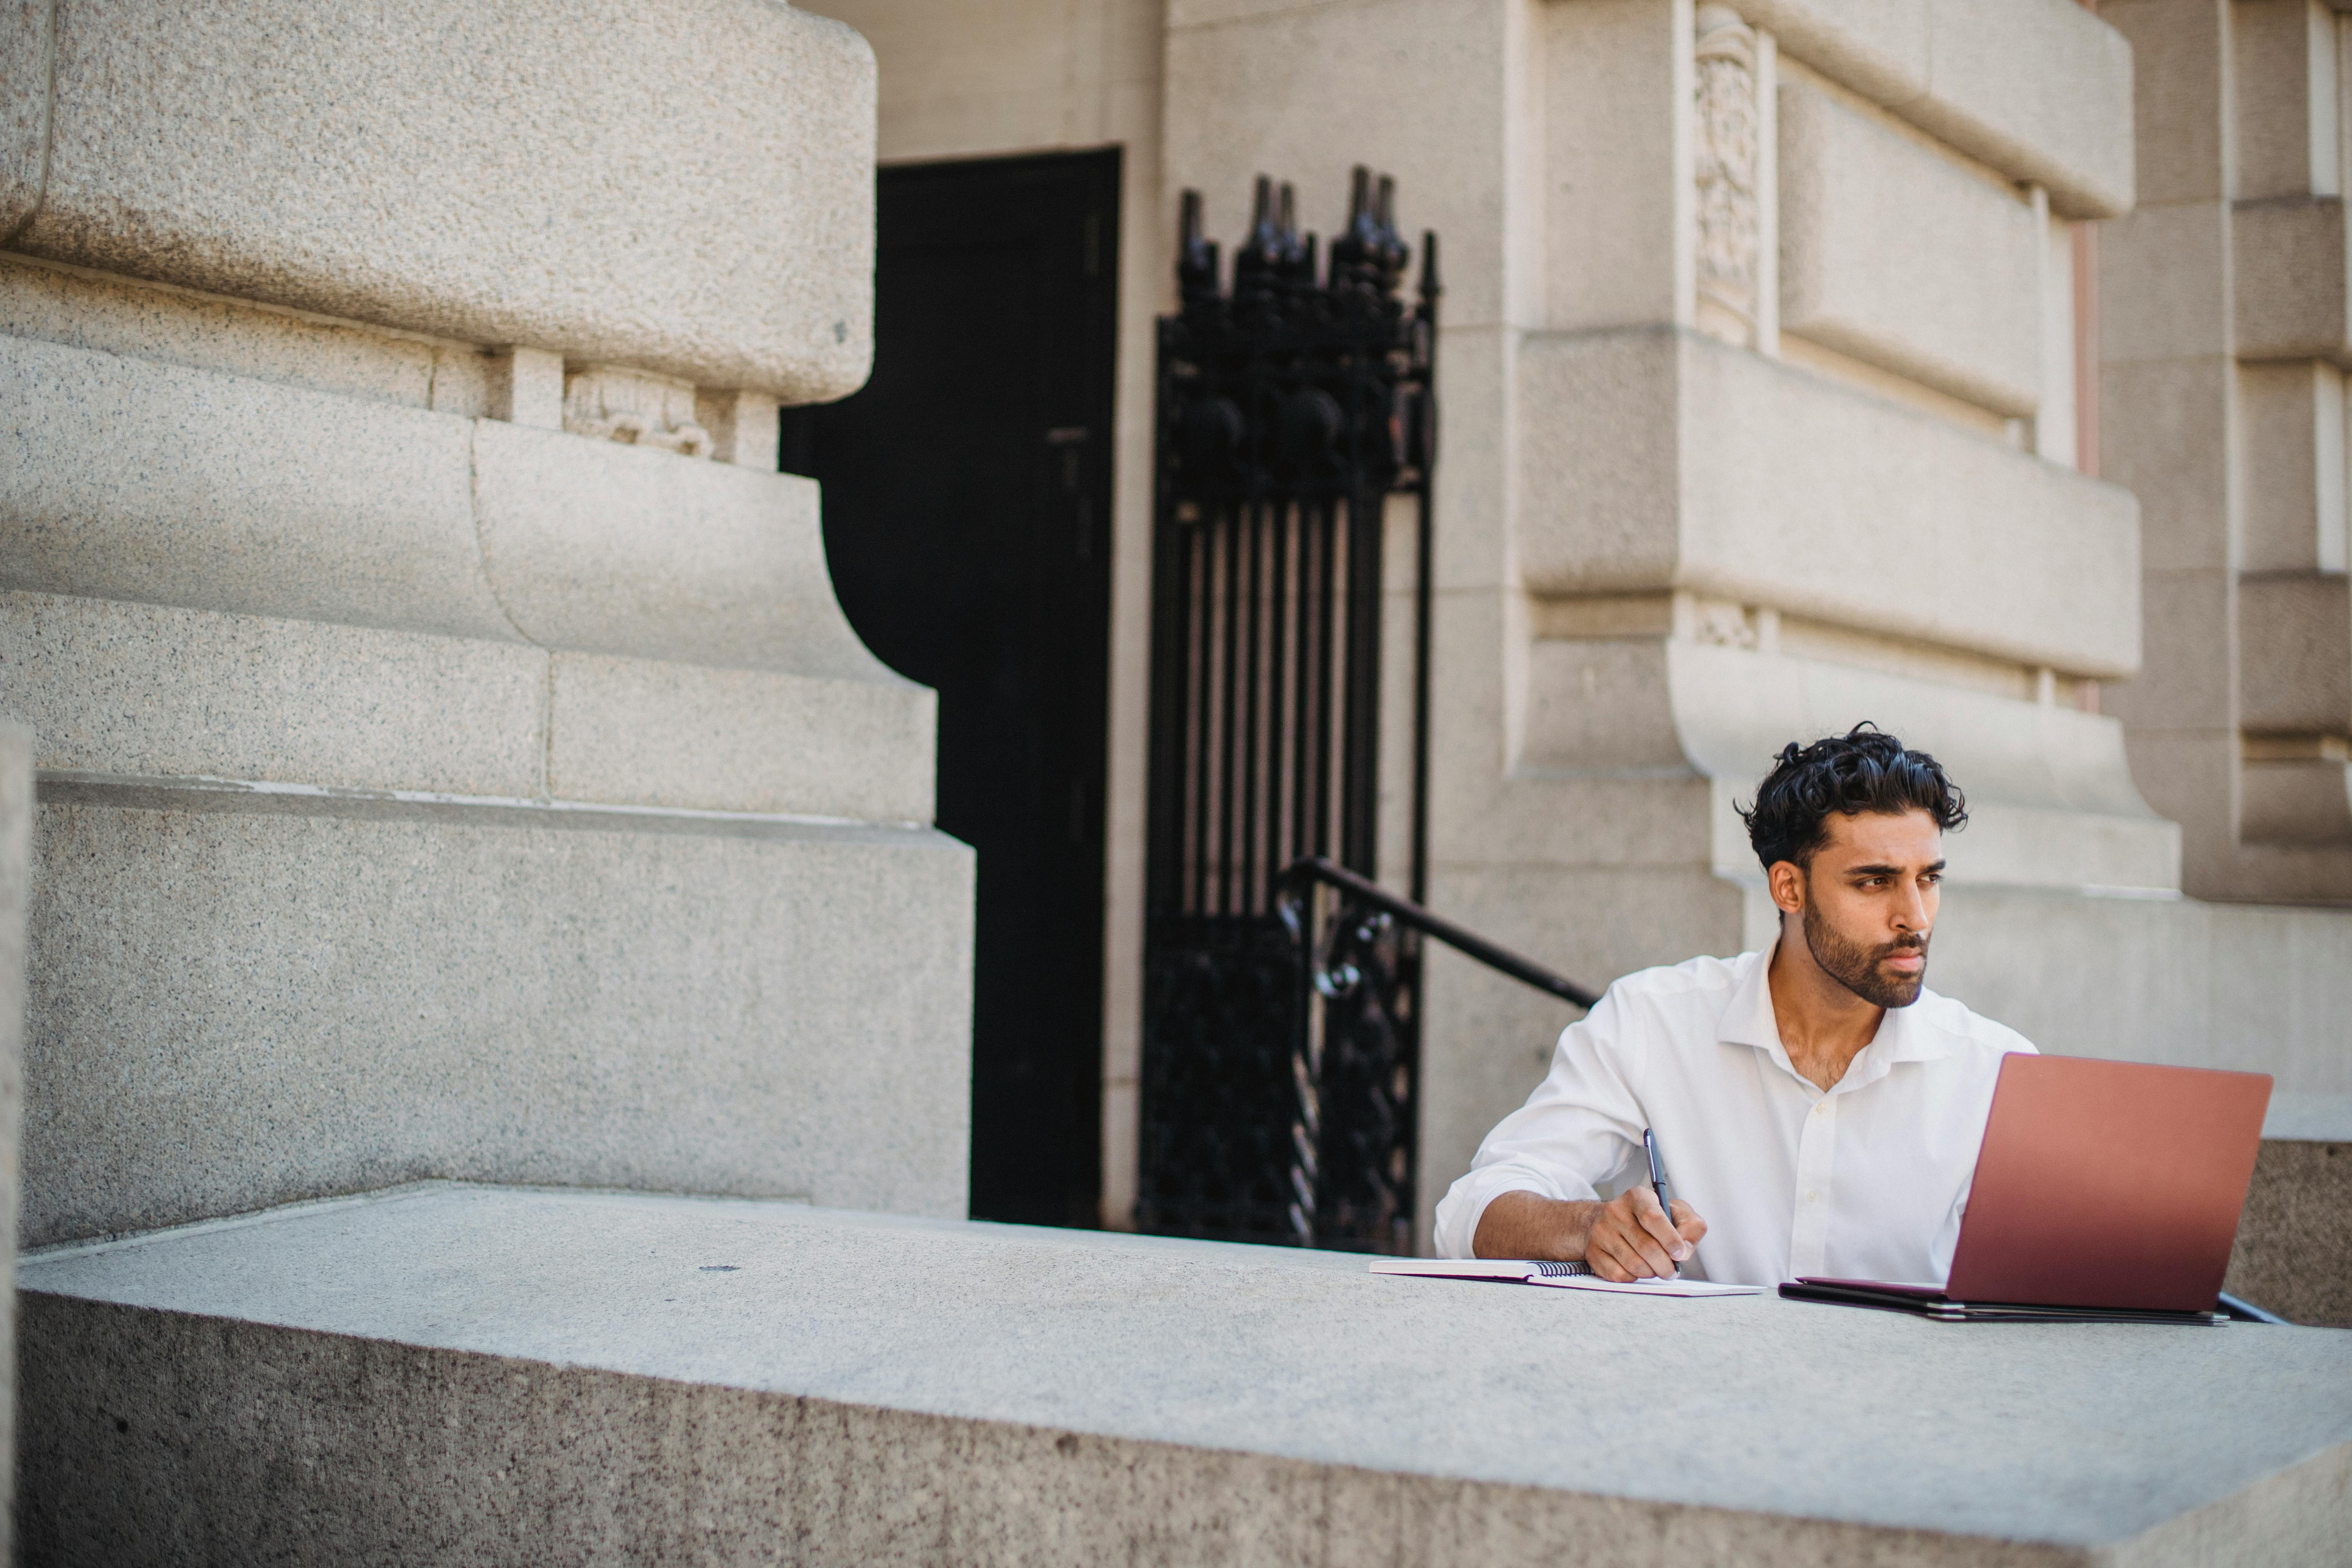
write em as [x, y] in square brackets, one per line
[1884, 870]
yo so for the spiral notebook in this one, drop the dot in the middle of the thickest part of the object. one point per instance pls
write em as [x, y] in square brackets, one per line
[1551, 1272]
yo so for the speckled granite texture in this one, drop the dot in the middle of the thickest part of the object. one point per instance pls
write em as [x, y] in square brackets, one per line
[533, 172]
[238, 1000]
[468, 1375]
[2293, 1253]
[388, 597]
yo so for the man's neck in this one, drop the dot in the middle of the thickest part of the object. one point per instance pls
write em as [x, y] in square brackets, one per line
[1823, 1026]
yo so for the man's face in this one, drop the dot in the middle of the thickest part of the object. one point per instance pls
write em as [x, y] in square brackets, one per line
[1869, 903]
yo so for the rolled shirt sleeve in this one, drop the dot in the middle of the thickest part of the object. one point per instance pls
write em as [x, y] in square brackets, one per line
[1580, 1128]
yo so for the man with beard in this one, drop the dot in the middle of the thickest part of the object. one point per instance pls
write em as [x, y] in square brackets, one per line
[1818, 1107]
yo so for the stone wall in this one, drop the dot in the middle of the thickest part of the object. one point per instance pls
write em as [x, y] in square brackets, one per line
[2226, 340]
[452, 758]
[1761, 392]
[1762, 372]
[536, 1377]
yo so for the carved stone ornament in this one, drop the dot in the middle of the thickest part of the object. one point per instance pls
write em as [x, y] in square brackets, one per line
[631, 406]
[1729, 133]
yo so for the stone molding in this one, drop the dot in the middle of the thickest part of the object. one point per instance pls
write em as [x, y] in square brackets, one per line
[1899, 257]
[529, 172]
[1653, 459]
[2040, 90]
[2048, 787]
[120, 486]
[1728, 143]
[609, 403]
[147, 691]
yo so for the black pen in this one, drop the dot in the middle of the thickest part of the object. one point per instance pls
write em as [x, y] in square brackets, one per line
[1658, 1181]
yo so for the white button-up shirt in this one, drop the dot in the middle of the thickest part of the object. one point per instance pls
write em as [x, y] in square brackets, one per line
[1864, 1182]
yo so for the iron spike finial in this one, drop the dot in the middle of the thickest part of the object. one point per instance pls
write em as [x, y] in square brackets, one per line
[1431, 287]
[1258, 263]
[1262, 212]
[1196, 255]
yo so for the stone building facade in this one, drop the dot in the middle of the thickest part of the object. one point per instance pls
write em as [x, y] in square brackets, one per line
[453, 760]
[449, 759]
[1786, 384]
[2224, 348]
[1788, 381]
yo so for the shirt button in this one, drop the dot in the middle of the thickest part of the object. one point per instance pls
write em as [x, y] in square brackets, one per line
[1824, 1105]
[1812, 1198]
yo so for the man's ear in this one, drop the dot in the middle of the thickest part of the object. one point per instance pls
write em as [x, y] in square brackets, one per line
[1788, 883]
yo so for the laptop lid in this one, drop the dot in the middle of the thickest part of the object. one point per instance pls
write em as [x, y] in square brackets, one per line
[2108, 1184]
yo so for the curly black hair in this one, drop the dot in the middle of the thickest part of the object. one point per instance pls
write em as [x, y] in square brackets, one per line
[1865, 769]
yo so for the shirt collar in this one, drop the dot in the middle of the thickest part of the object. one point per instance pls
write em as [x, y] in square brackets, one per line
[1903, 1036]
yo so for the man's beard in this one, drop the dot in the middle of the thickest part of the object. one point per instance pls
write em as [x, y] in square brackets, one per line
[1855, 966]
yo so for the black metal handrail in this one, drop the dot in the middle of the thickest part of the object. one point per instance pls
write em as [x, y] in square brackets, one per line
[1290, 894]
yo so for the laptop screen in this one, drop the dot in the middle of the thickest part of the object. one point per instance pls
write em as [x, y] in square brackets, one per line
[2106, 1184]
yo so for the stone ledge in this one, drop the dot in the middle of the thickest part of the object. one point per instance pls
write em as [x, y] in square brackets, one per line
[130, 692]
[126, 478]
[525, 173]
[457, 1374]
[2040, 90]
[2050, 793]
[1653, 459]
[1891, 254]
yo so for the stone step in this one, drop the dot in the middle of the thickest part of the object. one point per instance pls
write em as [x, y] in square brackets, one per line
[448, 1374]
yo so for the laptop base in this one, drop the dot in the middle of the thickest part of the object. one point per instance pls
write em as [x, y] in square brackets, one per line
[1937, 1307]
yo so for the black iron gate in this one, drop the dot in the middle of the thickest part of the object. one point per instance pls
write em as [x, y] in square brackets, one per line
[1277, 1109]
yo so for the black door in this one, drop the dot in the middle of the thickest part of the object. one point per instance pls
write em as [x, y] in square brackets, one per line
[967, 509]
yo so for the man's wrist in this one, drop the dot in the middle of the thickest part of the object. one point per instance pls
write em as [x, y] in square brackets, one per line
[1521, 1224]
[1577, 1232]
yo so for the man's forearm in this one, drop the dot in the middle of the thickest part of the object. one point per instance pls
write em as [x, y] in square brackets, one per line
[1527, 1224]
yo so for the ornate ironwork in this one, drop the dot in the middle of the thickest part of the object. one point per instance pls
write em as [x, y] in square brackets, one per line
[1353, 1076]
[1291, 407]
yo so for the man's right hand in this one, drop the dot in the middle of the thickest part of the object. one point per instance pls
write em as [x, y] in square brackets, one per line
[1628, 1237]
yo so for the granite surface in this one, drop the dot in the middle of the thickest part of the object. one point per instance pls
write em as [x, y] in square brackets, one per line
[1902, 1440]
[124, 480]
[392, 597]
[1657, 458]
[529, 173]
[2293, 1252]
[242, 998]
[1905, 260]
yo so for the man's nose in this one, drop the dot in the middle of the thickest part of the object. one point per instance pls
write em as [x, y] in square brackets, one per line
[1911, 910]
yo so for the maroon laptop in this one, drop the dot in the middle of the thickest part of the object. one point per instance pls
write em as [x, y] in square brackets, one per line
[2103, 1190]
